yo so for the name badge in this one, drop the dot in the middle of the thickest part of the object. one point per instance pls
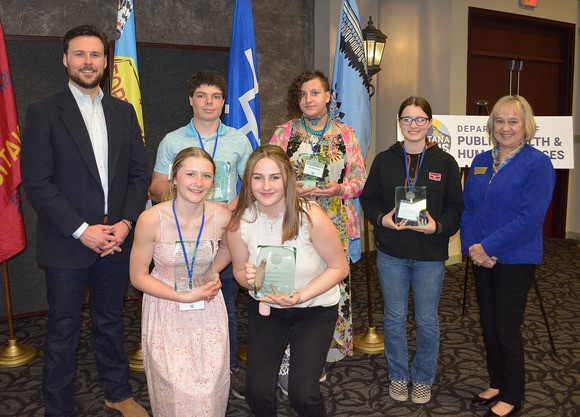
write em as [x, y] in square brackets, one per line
[198, 305]
[314, 168]
[479, 170]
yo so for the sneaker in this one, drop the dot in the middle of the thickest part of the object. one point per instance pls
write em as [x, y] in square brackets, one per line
[322, 375]
[398, 390]
[283, 373]
[421, 393]
[238, 382]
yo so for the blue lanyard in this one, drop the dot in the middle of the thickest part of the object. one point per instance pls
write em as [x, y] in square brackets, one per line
[189, 268]
[217, 136]
[318, 133]
[413, 184]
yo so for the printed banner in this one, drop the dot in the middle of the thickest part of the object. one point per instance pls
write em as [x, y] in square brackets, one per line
[464, 137]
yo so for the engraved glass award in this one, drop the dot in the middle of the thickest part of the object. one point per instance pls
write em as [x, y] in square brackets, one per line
[189, 274]
[312, 170]
[411, 205]
[204, 277]
[275, 266]
[221, 183]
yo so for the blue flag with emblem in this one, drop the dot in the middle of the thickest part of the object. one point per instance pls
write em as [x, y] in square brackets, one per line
[243, 103]
[350, 101]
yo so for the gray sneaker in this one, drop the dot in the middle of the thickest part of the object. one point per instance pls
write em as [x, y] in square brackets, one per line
[322, 375]
[398, 390]
[284, 371]
[238, 382]
[420, 393]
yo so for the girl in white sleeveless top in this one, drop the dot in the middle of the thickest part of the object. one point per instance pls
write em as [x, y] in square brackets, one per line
[270, 213]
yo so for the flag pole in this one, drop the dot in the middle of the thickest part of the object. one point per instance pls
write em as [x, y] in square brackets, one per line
[125, 85]
[13, 354]
[372, 341]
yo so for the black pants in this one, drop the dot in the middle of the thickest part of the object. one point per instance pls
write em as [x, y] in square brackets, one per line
[501, 294]
[309, 332]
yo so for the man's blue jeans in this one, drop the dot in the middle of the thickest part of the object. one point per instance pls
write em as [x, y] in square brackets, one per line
[425, 278]
[107, 283]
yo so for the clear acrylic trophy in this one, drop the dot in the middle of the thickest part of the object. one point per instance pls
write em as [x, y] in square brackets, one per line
[221, 184]
[411, 205]
[199, 274]
[275, 270]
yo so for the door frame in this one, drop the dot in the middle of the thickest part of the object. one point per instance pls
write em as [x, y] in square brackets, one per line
[530, 26]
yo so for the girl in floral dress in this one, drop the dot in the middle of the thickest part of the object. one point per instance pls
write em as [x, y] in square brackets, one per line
[184, 333]
[330, 169]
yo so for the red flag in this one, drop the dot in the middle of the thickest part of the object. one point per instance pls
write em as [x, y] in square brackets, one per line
[12, 237]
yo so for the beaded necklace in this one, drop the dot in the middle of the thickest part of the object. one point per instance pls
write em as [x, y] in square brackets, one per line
[316, 133]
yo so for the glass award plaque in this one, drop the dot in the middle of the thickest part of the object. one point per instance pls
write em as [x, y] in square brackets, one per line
[221, 183]
[312, 170]
[411, 205]
[206, 276]
[275, 267]
[200, 273]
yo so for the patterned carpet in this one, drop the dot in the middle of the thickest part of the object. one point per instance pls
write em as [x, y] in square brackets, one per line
[357, 386]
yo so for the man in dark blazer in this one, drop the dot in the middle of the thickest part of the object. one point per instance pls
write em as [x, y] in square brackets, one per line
[85, 172]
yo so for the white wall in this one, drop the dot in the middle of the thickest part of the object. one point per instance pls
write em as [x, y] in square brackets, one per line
[426, 54]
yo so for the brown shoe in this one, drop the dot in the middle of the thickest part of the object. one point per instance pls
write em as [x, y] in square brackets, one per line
[127, 408]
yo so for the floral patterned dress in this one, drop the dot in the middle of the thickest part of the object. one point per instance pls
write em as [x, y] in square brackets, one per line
[185, 353]
[340, 151]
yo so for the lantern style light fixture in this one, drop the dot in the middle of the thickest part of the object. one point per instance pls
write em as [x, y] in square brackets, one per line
[374, 43]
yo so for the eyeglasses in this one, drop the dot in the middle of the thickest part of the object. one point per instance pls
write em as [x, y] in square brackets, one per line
[421, 121]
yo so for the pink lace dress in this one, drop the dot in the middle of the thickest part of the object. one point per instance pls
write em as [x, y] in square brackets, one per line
[185, 353]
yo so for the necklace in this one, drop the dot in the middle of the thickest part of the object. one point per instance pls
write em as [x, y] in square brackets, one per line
[314, 120]
[271, 223]
[310, 131]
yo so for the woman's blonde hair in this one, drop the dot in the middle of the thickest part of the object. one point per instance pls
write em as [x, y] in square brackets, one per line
[191, 152]
[520, 104]
[294, 206]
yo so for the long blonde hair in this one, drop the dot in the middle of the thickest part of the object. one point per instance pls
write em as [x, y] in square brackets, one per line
[294, 206]
[191, 152]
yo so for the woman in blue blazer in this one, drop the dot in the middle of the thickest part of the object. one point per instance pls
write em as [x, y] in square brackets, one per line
[506, 196]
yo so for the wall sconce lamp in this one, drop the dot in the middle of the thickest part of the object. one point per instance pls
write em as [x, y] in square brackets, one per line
[374, 42]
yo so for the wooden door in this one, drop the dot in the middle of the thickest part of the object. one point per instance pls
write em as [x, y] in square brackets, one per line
[516, 54]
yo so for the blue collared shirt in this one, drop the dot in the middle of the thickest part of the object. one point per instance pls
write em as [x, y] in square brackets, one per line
[233, 147]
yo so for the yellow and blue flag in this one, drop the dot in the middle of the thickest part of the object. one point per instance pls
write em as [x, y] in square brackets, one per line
[243, 101]
[350, 101]
[125, 75]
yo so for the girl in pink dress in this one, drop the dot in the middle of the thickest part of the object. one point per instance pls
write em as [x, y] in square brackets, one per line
[184, 333]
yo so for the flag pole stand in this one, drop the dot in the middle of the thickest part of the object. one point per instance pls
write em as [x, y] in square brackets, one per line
[14, 354]
[243, 353]
[135, 355]
[372, 341]
[136, 359]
